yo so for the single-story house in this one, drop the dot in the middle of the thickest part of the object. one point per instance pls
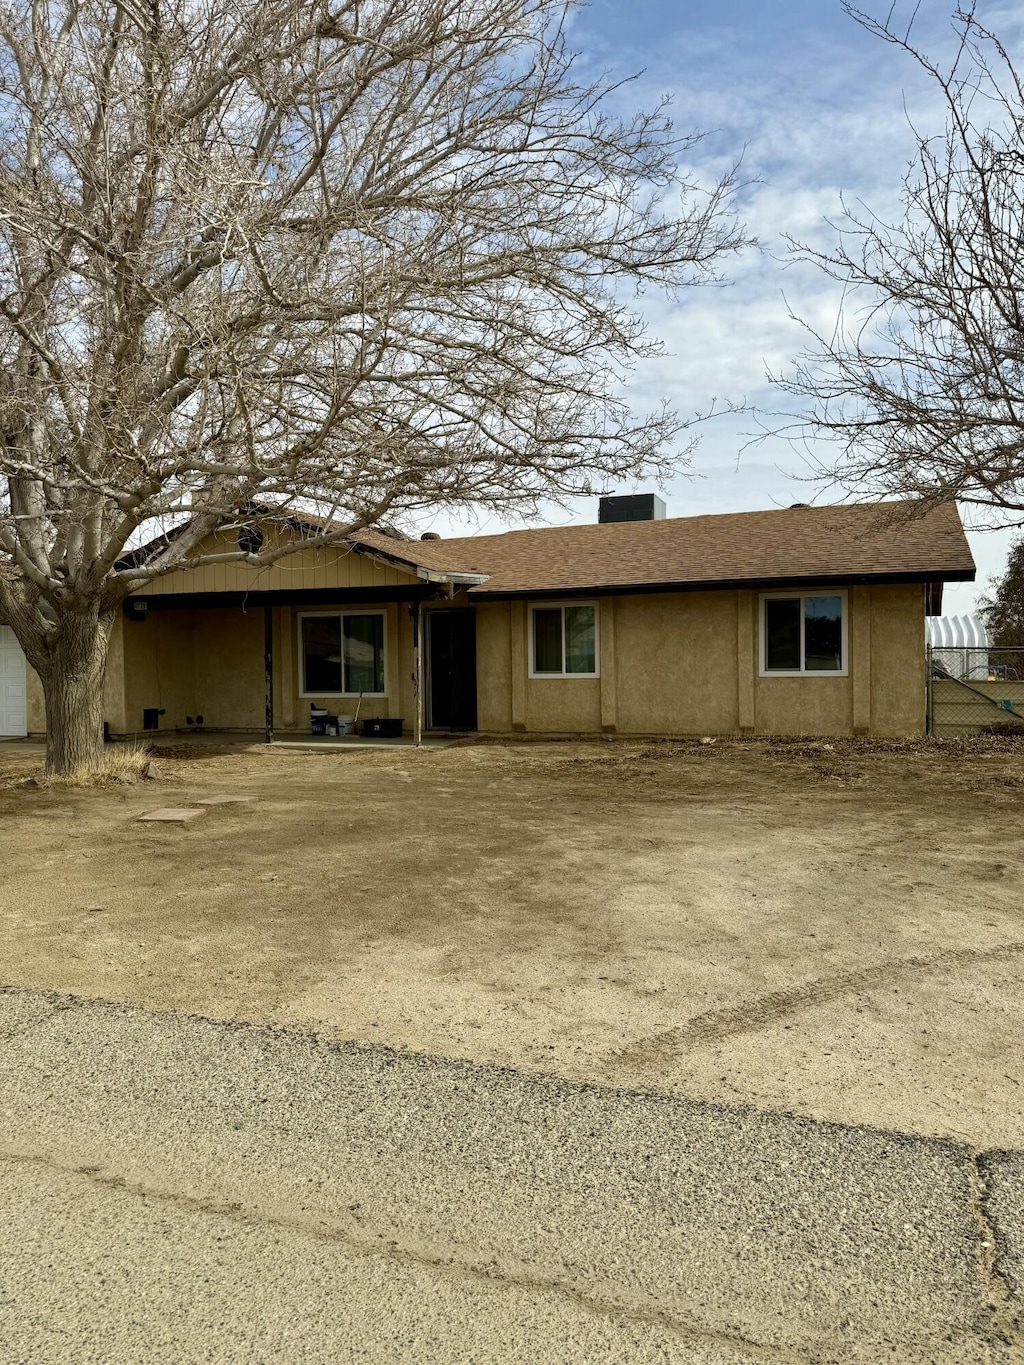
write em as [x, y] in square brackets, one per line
[804, 620]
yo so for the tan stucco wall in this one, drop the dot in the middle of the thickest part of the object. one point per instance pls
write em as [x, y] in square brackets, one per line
[228, 669]
[508, 699]
[494, 667]
[676, 663]
[803, 706]
[671, 664]
[898, 659]
[160, 668]
[563, 705]
[688, 663]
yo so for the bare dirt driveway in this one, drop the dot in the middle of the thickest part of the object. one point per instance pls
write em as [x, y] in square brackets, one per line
[835, 930]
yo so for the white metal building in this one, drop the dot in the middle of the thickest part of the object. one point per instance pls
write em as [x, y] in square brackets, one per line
[13, 708]
[959, 644]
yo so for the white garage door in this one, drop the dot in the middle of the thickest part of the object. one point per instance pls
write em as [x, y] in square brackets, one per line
[13, 714]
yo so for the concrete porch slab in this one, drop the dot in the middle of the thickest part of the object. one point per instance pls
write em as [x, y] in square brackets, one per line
[356, 742]
[158, 739]
[174, 815]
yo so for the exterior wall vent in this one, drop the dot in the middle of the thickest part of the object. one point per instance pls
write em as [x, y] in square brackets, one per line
[250, 539]
[631, 507]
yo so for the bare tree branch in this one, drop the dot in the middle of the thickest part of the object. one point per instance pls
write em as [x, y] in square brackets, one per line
[921, 386]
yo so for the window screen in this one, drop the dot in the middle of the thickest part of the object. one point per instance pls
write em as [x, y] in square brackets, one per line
[782, 634]
[547, 640]
[823, 634]
[364, 653]
[580, 651]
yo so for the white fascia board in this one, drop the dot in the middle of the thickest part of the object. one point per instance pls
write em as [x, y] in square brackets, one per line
[440, 576]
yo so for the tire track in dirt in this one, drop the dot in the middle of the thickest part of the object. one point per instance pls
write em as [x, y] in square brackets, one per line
[715, 1026]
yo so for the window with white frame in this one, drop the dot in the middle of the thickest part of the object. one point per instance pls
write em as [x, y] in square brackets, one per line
[803, 633]
[342, 653]
[563, 640]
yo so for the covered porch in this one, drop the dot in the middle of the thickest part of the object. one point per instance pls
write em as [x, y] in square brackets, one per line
[278, 663]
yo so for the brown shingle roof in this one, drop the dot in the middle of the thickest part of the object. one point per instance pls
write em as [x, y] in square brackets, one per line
[813, 544]
[420, 554]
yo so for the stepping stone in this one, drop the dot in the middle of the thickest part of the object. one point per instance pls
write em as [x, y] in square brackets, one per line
[223, 800]
[174, 815]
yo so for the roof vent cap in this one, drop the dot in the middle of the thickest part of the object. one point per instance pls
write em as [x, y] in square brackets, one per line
[794, 505]
[430, 535]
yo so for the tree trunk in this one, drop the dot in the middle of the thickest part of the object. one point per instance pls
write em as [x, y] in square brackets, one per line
[72, 679]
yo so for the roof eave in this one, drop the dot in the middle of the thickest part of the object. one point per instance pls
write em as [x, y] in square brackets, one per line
[730, 584]
[454, 577]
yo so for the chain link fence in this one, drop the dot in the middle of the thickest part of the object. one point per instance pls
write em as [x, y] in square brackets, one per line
[975, 690]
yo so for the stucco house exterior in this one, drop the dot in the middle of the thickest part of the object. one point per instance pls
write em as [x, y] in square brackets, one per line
[803, 620]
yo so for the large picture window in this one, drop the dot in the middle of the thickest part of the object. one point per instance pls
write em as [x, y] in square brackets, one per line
[563, 641]
[342, 654]
[803, 633]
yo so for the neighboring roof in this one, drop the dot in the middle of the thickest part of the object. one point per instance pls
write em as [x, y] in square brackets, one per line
[788, 546]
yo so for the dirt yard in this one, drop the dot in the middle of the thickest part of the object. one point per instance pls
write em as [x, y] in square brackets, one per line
[836, 930]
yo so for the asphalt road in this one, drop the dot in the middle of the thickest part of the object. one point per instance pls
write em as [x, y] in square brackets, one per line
[177, 1190]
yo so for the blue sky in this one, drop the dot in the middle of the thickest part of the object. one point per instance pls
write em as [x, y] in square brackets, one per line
[821, 108]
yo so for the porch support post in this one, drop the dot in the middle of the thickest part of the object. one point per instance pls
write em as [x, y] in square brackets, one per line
[268, 673]
[417, 674]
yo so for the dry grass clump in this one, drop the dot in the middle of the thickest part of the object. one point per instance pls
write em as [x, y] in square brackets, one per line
[120, 765]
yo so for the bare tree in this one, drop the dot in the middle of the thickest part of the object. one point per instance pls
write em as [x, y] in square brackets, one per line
[921, 384]
[366, 255]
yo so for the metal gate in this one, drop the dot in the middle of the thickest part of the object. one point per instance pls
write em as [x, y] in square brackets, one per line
[973, 690]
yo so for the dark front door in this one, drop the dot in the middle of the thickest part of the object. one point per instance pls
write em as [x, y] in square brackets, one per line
[451, 669]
